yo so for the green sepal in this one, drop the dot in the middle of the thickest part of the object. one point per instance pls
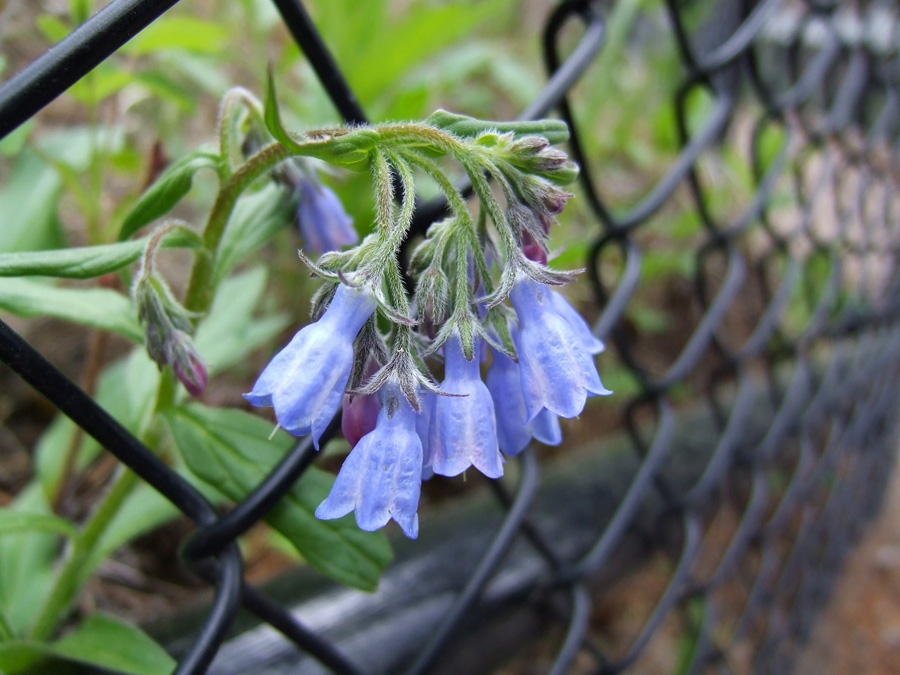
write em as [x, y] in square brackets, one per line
[555, 131]
[564, 175]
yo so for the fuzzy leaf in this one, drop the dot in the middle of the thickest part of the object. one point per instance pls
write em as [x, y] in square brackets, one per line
[87, 261]
[169, 188]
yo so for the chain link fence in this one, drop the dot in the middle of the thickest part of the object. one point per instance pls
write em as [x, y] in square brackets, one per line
[757, 432]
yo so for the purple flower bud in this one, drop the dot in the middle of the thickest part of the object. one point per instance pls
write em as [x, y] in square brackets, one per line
[306, 379]
[360, 411]
[463, 428]
[186, 364]
[532, 249]
[554, 200]
[324, 223]
[382, 476]
[168, 331]
[360, 415]
[557, 373]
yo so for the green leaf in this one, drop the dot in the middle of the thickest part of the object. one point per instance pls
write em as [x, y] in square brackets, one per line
[97, 307]
[231, 331]
[77, 147]
[52, 27]
[169, 188]
[229, 449]
[17, 521]
[255, 219]
[101, 83]
[186, 33]
[348, 149]
[87, 261]
[30, 224]
[101, 640]
[26, 562]
[12, 144]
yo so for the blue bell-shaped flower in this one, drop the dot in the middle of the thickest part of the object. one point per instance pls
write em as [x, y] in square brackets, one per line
[306, 379]
[557, 372]
[382, 476]
[463, 427]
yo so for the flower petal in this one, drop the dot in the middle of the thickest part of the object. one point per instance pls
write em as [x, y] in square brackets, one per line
[464, 428]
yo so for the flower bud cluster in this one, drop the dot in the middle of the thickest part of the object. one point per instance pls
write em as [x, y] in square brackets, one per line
[403, 425]
[167, 332]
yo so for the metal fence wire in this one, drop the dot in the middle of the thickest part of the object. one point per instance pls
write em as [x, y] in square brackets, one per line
[750, 459]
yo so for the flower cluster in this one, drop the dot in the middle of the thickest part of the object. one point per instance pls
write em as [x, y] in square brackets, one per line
[402, 424]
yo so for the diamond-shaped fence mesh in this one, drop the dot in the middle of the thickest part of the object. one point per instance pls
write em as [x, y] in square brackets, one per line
[756, 422]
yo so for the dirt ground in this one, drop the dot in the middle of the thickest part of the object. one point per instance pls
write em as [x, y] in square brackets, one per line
[859, 632]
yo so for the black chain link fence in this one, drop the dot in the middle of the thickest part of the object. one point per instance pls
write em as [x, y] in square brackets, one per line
[750, 458]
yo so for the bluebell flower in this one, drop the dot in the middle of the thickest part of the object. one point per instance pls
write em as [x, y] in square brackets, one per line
[579, 326]
[513, 431]
[324, 223]
[557, 372]
[306, 379]
[463, 427]
[382, 476]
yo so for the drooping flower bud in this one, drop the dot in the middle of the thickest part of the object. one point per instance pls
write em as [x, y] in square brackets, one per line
[168, 329]
[360, 411]
[187, 365]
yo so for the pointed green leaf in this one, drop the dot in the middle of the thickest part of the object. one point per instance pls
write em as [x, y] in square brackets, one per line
[187, 33]
[230, 450]
[30, 224]
[101, 640]
[345, 148]
[169, 188]
[87, 261]
[97, 307]
[26, 562]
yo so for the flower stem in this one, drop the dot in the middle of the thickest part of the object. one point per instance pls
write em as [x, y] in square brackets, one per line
[200, 288]
[72, 574]
[67, 583]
